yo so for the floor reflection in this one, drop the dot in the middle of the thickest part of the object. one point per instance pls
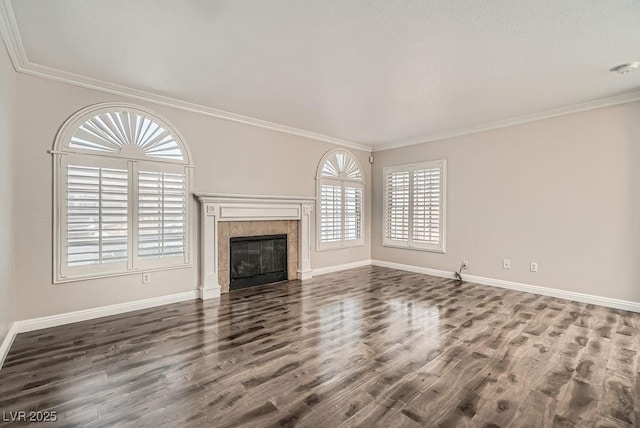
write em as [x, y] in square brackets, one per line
[366, 347]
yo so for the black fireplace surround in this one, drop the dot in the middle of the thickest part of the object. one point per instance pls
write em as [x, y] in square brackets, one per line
[257, 260]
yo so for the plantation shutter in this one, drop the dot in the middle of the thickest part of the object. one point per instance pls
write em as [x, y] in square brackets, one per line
[331, 212]
[161, 214]
[426, 205]
[340, 194]
[353, 210]
[397, 205]
[96, 216]
[414, 198]
[120, 195]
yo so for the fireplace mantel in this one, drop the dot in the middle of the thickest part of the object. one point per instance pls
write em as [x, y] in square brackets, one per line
[217, 207]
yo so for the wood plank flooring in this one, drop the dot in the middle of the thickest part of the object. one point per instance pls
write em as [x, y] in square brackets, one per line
[366, 347]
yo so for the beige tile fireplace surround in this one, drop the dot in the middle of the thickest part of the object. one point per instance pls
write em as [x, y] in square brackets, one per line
[233, 229]
[225, 216]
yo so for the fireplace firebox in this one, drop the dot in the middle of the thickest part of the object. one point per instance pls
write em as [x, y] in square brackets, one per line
[257, 260]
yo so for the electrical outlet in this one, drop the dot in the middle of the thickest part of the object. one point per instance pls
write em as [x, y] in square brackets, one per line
[465, 264]
[506, 264]
[146, 278]
[533, 267]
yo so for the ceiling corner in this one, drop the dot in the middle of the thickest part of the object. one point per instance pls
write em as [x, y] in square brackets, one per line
[11, 36]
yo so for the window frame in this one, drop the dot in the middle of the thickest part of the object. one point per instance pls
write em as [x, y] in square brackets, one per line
[409, 244]
[63, 155]
[344, 182]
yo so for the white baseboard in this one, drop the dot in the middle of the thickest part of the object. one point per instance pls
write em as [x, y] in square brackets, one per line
[414, 269]
[103, 311]
[6, 343]
[528, 288]
[338, 268]
[88, 314]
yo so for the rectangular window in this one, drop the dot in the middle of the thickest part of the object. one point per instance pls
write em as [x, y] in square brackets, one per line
[414, 206]
[119, 216]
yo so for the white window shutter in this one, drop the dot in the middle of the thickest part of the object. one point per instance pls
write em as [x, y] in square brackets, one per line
[109, 218]
[426, 205]
[353, 212]
[331, 212]
[96, 216]
[414, 206]
[110, 131]
[396, 215]
[161, 214]
[340, 191]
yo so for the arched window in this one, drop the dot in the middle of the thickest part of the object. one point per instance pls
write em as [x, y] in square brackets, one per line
[122, 180]
[340, 191]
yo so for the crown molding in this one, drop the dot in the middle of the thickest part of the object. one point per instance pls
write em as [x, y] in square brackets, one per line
[11, 35]
[625, 98]
[37, 70]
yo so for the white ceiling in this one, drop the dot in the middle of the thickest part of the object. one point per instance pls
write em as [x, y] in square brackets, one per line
[377, 72]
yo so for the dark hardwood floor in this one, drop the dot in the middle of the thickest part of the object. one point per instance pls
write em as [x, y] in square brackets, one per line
[366, 347]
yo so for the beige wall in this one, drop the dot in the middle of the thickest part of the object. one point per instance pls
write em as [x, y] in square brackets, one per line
[230, 158]
[564, 192]
[7, 107]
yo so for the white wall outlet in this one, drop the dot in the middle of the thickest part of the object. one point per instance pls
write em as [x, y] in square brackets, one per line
[533, 267]
[465, 264]
[506, 264]
[146, 278]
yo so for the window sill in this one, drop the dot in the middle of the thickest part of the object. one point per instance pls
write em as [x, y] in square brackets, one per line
[116, 274]
[321, 249]
[406, 247]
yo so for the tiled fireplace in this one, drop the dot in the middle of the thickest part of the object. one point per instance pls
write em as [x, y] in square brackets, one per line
[232, 216]
[246, 229]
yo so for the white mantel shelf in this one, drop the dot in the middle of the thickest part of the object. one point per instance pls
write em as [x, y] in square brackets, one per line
[217, 207]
